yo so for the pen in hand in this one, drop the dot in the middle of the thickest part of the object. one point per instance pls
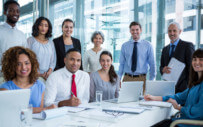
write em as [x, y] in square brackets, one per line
[72, 94]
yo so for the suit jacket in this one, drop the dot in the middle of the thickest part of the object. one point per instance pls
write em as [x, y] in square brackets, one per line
[60, 51]
[183, 52]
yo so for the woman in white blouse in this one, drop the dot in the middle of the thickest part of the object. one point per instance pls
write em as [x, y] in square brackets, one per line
[91, 58]
[42, 46]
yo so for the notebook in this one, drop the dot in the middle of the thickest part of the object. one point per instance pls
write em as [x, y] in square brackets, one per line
[11, 103]
[160, 88]
[130, 91]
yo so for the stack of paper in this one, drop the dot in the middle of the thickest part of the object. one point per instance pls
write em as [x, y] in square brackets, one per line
[156, 103]
[124, 110]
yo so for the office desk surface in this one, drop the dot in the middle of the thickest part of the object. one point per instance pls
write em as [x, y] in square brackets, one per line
[145, 119]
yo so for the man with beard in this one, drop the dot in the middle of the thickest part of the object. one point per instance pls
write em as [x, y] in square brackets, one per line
[9, 35]
[180, 50]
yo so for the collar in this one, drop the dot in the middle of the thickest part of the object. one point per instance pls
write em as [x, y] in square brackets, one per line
[175, 43]
[132, 41]
[68, 73]
[9, 26]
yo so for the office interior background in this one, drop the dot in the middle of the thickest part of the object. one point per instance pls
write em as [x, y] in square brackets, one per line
[113, 17]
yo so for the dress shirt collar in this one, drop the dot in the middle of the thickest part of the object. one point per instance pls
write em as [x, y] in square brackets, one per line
[9, 26]
[132, 41]
[175, 43]
[68, 73]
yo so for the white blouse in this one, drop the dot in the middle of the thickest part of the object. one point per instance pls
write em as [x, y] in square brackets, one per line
[46, 54]
[91, 60]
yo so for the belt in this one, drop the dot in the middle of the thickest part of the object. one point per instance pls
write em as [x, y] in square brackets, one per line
[135, 75]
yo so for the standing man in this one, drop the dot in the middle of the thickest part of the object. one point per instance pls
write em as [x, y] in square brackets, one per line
[179, 49]
[9, 35]
[68, 86]
[136, 57]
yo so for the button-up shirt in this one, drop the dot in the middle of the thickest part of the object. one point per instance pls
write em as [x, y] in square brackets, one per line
[10, 37]
[145, 58]
[58, 86]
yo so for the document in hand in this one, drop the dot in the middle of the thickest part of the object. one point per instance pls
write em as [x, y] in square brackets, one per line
[176, 70]
[123, 110]
[51, 113]
[156, 103]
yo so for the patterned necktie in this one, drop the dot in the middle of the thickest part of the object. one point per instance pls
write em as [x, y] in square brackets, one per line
[134, 58]
[73, 87]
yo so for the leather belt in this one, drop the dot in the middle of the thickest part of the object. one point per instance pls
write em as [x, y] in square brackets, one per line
[135, 75]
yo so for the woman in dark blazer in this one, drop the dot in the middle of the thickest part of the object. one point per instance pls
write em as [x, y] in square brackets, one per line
[65, 42]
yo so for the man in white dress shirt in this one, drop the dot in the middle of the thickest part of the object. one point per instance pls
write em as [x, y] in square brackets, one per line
[60, 87]
[9, 35]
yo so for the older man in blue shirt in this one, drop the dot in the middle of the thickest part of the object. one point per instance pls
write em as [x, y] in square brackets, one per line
[137, 57]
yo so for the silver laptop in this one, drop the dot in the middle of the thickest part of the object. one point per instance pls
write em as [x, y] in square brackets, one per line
[11, 103]
[160, 88]
[130, 91]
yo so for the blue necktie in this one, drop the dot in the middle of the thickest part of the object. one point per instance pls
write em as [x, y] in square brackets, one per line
[172, 50]
[134, 58]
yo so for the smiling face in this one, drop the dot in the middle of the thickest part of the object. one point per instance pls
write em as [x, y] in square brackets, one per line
[12, 14]
[98, 40]
[23, 68]
[73, 61]
[197, 64]
[67, 29]
[43, 27]
[173, 32]
[106, 62]
[135, 31]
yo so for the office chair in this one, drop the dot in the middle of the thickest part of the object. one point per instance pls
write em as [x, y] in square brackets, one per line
[187, 122]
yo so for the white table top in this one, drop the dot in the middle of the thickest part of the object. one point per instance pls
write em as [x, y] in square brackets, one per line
[89, 118]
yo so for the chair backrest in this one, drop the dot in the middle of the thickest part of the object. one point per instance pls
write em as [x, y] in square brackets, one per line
[187, 122]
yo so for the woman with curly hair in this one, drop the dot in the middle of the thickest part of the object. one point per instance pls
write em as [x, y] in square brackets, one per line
[42, 46]
[20, 71]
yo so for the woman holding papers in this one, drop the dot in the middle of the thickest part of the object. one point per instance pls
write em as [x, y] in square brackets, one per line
[105, 79]
[20, 70]
[191, 98]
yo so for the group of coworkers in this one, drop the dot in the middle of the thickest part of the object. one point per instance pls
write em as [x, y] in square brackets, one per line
[60, 64]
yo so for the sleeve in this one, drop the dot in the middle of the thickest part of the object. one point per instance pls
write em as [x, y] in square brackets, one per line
[122, 62]
[79, 47]
[5, 86]
[92, 88]
[29, 42]
[152, 63]
[86, 96]
[42, 86]
[25, 41]
[179, 97]
[50, 91]
[117, 88]
[162, 62]
[194, 111]
[85, 62]
[53, 57]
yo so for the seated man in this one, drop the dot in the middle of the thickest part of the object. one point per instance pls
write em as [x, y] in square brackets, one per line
[68, 86]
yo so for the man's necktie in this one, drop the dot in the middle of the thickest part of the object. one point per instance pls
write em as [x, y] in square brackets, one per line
[172, 50]
[134, 58]
[73, 87]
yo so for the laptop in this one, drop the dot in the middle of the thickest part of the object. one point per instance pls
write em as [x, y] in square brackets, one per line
[11, 103]
[160, 88]
[129, 92]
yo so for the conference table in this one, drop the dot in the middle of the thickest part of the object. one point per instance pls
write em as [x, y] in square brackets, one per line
[97, 118]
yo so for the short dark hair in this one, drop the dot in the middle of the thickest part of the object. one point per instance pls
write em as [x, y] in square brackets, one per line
[35, 29]
[7, 3]
[193, 76]
[134, 24]
[68, 20]
[72, 50]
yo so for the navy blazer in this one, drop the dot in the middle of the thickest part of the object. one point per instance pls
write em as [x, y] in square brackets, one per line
[183, 52]
[60, 51]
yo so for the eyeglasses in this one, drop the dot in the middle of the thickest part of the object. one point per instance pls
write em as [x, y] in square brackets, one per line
[115, 114]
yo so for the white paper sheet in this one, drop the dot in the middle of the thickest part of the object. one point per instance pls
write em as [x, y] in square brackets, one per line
[176, 70]
[156, 103]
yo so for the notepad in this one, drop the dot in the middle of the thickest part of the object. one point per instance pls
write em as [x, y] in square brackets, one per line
[124, 110]
[156, 103]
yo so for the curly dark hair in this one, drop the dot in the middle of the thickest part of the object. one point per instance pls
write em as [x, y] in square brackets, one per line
[35, 29]
[10, 62]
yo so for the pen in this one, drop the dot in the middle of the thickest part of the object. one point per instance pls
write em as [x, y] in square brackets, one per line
[72, 94]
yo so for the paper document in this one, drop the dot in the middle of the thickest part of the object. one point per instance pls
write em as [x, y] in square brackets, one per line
[51, 113]
[137, 107]
[156, 103]
[176, 70]
[124, 110]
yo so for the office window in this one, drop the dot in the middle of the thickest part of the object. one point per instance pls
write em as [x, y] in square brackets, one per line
[189, 4]
[189, 23]
[24, 2]
[170, 6]
[1, 7]
[25, 24]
